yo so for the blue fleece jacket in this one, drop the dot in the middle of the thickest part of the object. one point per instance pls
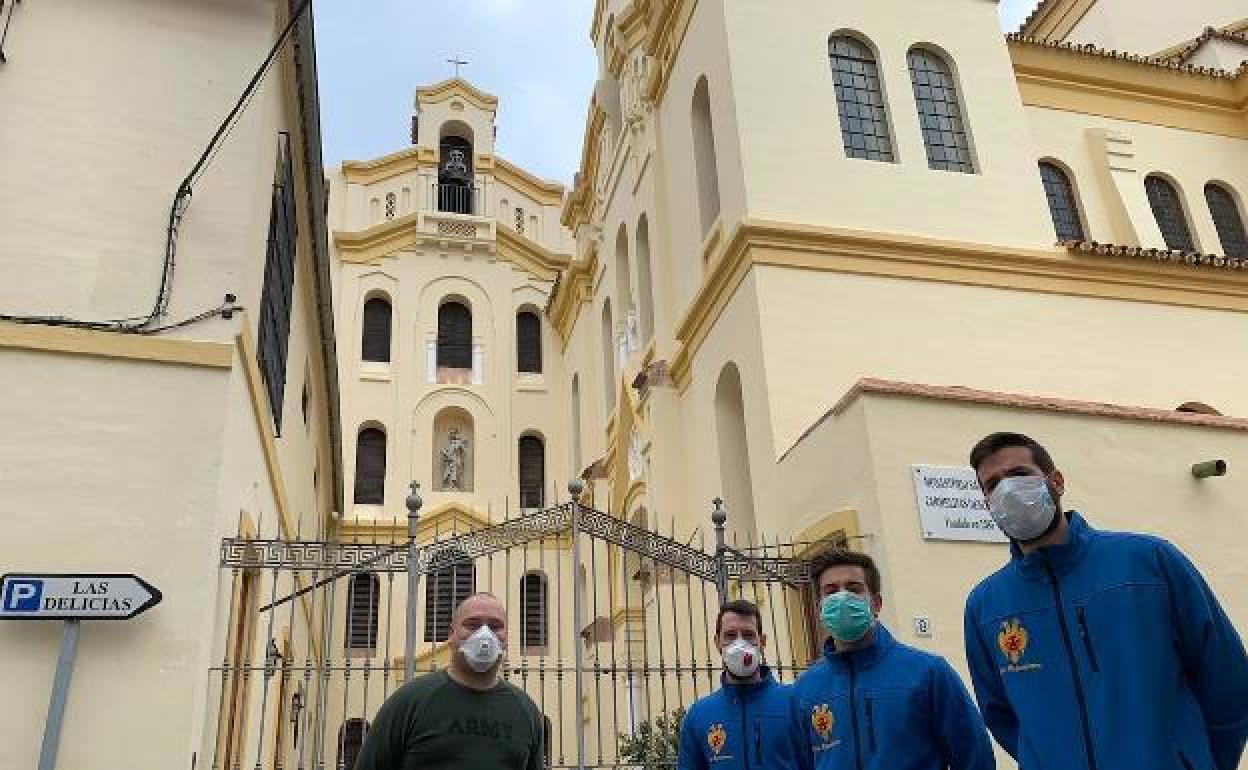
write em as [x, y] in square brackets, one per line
[742, 726]
[889, 706]
[1106, 652]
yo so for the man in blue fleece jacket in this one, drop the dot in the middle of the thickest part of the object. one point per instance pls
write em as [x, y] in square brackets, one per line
[744, 724]
[1096, 650]
[873, 703]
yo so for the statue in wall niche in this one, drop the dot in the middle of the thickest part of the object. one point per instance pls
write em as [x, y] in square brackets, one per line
[453, 455]
[633, 329]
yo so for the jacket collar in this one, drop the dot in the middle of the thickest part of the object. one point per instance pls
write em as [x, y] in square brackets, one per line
[748, 690]
[863, 657]
[1061, 558]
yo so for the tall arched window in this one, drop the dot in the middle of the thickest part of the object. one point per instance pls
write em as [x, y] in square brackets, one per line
[1227, 220]
[370, 467]
[608, 356]
[578, 462]
[532, 463]
[350, 741]
[375, 345]
[706, 166]
[454, 336]
[363, 597]
[445, 588]
[734, 454]
[1062, 204]
[528, 342]
[623, 272]
[940, 112]
[1168, 211]
[533, 613]
[645, 281]
[860, 99]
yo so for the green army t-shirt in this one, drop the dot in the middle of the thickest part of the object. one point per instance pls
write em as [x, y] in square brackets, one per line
[435, 723]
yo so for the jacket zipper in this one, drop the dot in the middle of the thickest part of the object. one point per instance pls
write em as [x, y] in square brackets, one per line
[745, 741]
[1087, 639]
[758, 742]
[870, 727]
[1074, 668]
[1187, 763]
[853, 714]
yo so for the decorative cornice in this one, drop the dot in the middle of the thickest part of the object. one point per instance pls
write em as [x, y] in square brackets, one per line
[1194, 258]
[530, 256]
[1236, 32]
[440, 92]
[103, 344]
[378, 169]
[578, 206]
[1054, 19]
[544, 192]
[1058, 271]
[573, 288]
[1091, 49]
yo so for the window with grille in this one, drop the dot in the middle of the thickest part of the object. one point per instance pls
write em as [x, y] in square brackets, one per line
[375, 345]
[1062, 205]
[454, 336]
[532, 471]
[533, 620]
[520, 220]
[370, 467]
[445, 588]
[860, 100]
[273, 333]
[1168, 211]
[940, 112]
[391, 205]
[528, 342]
[363, 596]
[350, 741]
[1227, 220]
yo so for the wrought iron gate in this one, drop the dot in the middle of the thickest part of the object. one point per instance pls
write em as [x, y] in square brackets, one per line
[610, 626]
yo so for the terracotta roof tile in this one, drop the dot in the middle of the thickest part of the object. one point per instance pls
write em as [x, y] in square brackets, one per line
[1193, 258]
[1091, 49]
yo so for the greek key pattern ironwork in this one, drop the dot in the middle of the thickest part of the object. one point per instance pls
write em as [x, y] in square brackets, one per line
[649, 544]
[312, 555]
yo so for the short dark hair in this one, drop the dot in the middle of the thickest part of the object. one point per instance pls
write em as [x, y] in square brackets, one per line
[995, 442]
[840, 557]
[741, 607]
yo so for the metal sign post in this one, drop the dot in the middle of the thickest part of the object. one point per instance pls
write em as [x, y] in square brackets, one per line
[72, 598]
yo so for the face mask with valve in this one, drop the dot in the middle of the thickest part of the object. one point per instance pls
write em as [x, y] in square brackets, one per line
[847, 616]
[482, 650]
[742, 659]
[1022, 507]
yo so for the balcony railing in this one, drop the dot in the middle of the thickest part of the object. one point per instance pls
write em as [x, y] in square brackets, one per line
[454, 198]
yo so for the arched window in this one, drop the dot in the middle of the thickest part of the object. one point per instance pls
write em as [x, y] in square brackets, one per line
[608, 356]
[860, 99]
[940, 112]
[734, 454]
[528, 342]
[375, 345]
[623, 272]
[1227, 220]
[370, 467]
[645, 282]
[455, 172]
[445, 588]
[350, 741]
[363, 597]
[533, 613]
[1168, 211]
[706, 165]
[1062, 204]
[532, 463]
[454, 336]
[578, 463]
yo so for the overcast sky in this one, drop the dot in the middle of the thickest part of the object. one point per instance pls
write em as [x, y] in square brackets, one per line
[534, 55]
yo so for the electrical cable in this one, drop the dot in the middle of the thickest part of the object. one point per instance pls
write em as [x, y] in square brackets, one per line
[177, 210]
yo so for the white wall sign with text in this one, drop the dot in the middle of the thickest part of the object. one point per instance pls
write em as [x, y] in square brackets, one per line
[951, 505]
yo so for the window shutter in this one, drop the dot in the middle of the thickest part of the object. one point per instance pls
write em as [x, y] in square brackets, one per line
[375, 345]
[444, 590]
[362, 612]
[532, 471]
[533, 610]
[1168, 211]
[528, 343]
[454, 336]
[370, 467]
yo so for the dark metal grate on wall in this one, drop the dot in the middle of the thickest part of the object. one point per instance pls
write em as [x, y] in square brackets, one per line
[532, 471]
[363, 596]
[279, 277]
[533, 610]
[444, 590]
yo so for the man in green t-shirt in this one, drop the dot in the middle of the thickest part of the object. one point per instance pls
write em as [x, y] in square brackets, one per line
[463, 717]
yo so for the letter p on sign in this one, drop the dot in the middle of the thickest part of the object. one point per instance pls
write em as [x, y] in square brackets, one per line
[23, 595]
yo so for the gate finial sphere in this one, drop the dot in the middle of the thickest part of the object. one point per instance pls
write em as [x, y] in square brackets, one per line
[719, 515]
[576, 487]
[414, 501]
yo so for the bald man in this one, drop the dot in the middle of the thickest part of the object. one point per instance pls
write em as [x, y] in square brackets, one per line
[464, 717]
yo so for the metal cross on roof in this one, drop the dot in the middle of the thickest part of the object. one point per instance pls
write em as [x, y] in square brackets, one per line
[458, 63]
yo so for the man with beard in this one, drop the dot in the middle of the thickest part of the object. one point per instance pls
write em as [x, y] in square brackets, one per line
[1094, 649]
[746, 723]
[463, 717]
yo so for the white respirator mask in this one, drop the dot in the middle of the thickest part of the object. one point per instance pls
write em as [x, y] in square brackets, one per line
[742, 659]
[1022, 507]
[482, 650]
